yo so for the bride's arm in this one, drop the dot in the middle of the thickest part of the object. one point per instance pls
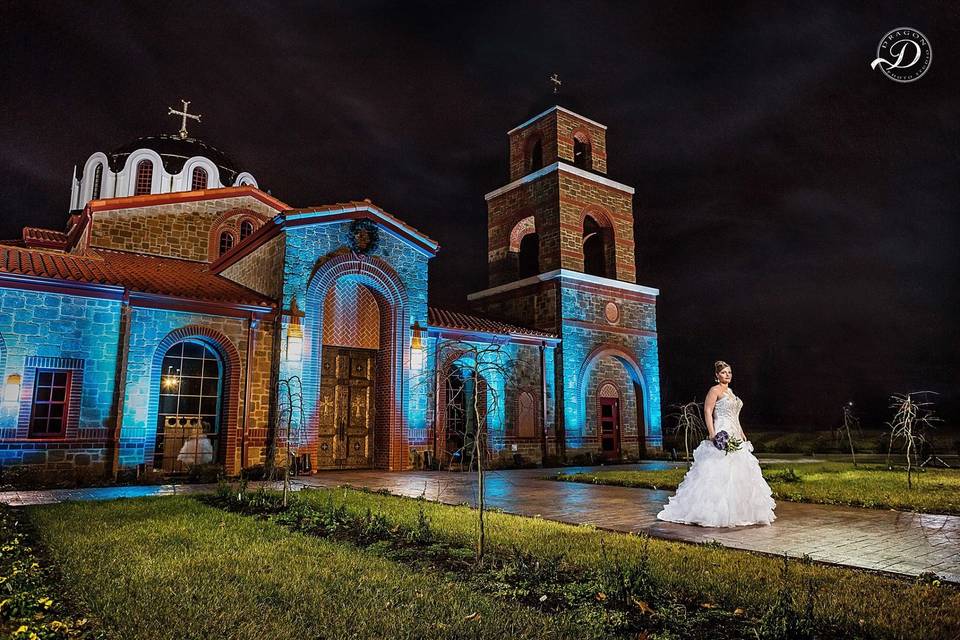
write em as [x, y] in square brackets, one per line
[708, 403]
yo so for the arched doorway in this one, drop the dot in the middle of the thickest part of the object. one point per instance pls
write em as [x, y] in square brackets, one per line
[350, 340]
[362, 354]
[189, 408]
[611, 376]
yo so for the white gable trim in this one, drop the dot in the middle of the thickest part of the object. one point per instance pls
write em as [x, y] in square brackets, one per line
[550, 110]
[560, 166]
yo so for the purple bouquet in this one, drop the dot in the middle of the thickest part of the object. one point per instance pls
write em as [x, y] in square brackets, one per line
[720, 440]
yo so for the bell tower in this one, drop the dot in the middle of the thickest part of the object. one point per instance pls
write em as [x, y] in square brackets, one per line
[561, 259]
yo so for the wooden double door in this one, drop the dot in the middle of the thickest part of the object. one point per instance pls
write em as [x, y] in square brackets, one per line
[346, 408]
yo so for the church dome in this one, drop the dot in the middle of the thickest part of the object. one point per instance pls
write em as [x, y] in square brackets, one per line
[174, 152]
[149, 165]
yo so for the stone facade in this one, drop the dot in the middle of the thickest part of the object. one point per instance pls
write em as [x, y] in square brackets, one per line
[397, 278]
[185, 230]
[517, 403]
[560, 201]
[262, 269]
[63, 332]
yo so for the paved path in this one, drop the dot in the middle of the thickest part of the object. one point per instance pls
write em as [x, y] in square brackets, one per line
[893, 541]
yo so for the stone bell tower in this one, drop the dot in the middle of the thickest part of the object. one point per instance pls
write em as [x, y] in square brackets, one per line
[561, 259]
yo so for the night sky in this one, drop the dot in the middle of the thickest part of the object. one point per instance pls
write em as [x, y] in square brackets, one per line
[799, 212]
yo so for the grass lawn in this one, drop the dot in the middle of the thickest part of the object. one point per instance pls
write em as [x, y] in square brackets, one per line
[175, 568]
[172, 568]
[873, 486]
[878, 606]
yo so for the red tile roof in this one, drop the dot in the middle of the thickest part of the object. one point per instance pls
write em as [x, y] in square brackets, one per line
[136, 272]
[44, 238]
[466, 322]
[32, 235]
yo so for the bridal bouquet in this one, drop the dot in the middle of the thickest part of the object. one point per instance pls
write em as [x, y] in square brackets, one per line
[725, 443]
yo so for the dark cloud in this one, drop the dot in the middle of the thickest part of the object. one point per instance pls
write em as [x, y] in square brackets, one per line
[798, 211]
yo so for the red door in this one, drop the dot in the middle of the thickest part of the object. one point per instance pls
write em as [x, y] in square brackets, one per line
[610, 428]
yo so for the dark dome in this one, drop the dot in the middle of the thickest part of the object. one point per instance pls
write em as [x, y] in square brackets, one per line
[175, 151]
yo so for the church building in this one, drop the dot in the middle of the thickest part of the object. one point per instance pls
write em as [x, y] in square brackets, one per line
[185, 317]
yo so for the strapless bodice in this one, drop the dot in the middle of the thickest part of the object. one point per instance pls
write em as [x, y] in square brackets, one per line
[726, 414]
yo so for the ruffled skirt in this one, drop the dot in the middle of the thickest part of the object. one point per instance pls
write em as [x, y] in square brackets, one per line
[721, 490]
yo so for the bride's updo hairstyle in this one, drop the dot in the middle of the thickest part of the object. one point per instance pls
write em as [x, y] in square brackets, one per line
[719, 366]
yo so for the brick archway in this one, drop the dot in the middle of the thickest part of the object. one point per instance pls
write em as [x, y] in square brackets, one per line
[390, 428]
[634, 372]
[230, 394]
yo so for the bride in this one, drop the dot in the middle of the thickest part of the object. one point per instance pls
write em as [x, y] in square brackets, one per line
[723, 488]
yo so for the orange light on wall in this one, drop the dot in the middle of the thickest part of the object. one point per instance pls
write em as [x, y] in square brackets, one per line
[294, 333]
[416, 346]
[11, 391]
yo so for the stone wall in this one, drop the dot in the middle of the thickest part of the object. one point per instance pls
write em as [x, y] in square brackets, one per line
[591, 339]
[180, 230]
[556, 132]
[521, 141]
[521, 363]
[609, 370]
[262, 269]
[559, 202]
[50, 330]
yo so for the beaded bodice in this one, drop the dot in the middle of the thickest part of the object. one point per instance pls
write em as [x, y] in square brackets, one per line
[726, 414]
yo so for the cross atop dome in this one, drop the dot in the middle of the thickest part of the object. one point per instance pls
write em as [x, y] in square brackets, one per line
[185, 114]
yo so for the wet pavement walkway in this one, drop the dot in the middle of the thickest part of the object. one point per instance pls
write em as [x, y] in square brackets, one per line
[893, 541]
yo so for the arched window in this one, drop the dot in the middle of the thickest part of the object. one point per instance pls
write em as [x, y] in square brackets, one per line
[528, 262]
[581, 151]
[226, 242]
[246, 229]
[97, 182]
[594, 248]
[188, 416]
[536, 155]
[144, 182]
[525, 247]
[199, 179]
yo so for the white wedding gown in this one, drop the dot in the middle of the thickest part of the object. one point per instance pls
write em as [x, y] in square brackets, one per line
[722, 489]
